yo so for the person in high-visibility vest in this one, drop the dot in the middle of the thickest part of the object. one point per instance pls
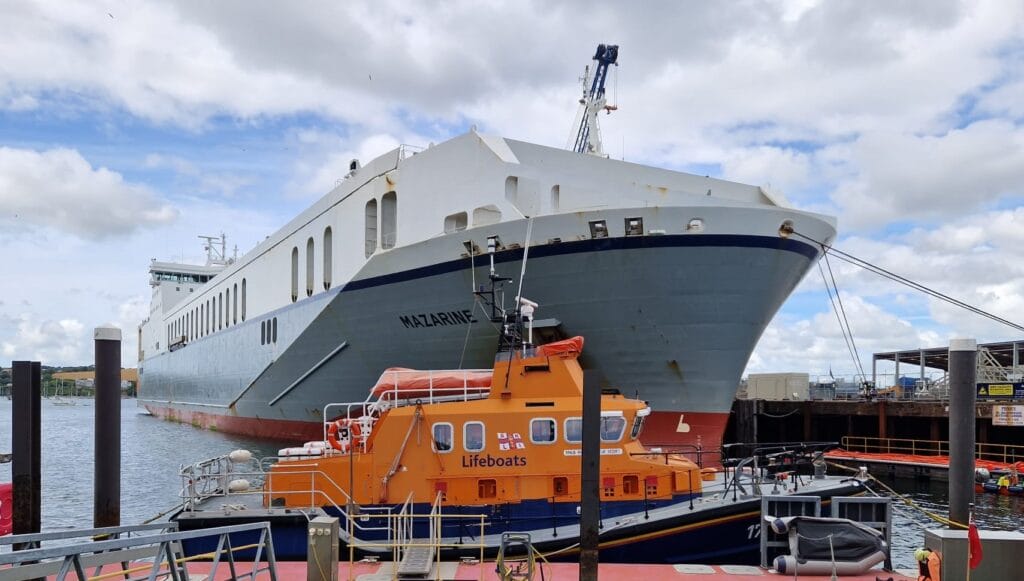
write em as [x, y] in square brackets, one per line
[929, 565]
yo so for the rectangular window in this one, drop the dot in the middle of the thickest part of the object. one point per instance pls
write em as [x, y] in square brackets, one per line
[455, 222]
[543, 430]
[631, 484]
[487, 488]
[574, 430]
[651, 485]
[608, 486]
[263, 332]
[638, 424]
[442, 437]
[473, 436]
[612, 428]
[561, 486]
[598, 229]
[634, 226]
[275, 330]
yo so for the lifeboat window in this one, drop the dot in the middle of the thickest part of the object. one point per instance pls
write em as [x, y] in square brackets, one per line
[234, 307]
[487, 488]
[608, 486]
[638, 424]
[651, 485]
[274, 325]
[473, 436]
[263, 332]
[455, 222]
[561, 486]
[612, 428]
[574, 430]
[631, 484]
[442, 437]
[243, 299]
[543, 431]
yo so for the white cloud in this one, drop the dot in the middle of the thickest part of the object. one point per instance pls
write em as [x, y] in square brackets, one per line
[45, 340]
[223, 183]
[59, 189]
[904, 176]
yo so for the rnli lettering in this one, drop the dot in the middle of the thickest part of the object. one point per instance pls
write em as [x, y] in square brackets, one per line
[488, 461]
[444, 319]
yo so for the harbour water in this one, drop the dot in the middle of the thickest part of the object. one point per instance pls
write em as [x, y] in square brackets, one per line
[153, 449]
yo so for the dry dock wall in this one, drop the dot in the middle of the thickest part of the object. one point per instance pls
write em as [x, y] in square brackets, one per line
[794, 421]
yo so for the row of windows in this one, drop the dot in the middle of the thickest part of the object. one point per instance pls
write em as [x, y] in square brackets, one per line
[219, 311]
[542, 431]
[268, 331]
[181, 277]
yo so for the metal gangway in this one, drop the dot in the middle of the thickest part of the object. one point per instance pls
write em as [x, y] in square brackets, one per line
[149, 551]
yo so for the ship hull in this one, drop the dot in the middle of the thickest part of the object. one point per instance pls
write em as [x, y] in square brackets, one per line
[672, 319]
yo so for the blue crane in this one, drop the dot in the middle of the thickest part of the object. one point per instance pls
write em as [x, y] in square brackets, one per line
[588, 135]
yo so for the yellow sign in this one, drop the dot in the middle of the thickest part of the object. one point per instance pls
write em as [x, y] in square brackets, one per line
[1001, 389]
[1008, 415]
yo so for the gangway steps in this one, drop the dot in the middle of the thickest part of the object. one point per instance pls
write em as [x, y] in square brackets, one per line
[417, 562]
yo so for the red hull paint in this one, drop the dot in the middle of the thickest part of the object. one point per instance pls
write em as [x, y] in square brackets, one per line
[662, 428]
[264, 428]
[685, 429]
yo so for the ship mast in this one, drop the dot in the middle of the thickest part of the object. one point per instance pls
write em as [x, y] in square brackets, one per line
[588, 134]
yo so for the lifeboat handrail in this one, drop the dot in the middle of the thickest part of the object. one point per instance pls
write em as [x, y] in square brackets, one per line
[370, 409]
[209, 479]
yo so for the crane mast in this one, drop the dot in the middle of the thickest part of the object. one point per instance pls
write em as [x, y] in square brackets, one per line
[588, 134]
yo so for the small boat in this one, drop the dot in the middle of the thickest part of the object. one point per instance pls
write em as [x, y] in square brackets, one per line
[455, 460]
[1002, 481]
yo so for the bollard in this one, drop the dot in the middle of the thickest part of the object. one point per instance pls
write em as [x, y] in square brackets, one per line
[963, 355]
[26, 474]
[590, 509]
[107, 451]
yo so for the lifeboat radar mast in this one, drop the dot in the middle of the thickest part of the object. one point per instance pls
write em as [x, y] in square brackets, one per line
[588, 134]
[513, 322]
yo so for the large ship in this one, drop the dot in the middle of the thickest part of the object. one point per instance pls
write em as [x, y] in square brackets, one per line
[672, 277]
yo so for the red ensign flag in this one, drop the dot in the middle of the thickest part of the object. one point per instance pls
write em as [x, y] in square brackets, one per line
[973, 545]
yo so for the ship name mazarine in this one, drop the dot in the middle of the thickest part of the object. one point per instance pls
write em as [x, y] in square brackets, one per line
[441, 319]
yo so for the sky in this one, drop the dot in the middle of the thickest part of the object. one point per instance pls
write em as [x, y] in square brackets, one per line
[129, 128]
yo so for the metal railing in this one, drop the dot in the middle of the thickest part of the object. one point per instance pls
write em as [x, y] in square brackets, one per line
[211, 478]
[153, 555]
[403, 540]
[1006, 453]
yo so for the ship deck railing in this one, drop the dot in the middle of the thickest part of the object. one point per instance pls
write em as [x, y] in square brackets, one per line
[1005, 453]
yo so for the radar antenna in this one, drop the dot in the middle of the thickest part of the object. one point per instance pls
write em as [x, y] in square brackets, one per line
[216, 250]
[588, 134]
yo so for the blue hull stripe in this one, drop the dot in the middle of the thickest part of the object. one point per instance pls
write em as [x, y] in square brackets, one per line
[598, 245]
